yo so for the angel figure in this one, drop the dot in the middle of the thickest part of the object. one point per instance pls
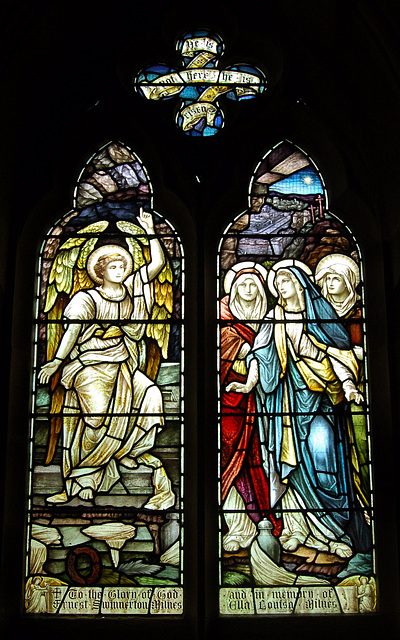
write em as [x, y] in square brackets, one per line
[36, 596]
[366, 595]
[110, 409]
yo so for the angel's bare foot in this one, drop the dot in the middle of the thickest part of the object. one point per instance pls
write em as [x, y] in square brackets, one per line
[58, 498]
[160, 503]
[131, 463]
[86, 494]
[340, 549]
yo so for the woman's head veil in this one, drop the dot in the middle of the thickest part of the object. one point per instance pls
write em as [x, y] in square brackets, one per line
[348, 269]
[231, 281]
[322, 321]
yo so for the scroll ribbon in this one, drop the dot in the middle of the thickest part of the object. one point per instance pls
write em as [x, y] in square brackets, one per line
[173, 83]
[195, 112]
[200, 60]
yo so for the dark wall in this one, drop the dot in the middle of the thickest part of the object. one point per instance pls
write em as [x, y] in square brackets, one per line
[333, 71]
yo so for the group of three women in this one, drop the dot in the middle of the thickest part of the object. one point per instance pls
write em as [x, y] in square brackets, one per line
[289, 376]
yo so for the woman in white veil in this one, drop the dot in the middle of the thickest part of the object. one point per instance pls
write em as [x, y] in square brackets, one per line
[338, 276]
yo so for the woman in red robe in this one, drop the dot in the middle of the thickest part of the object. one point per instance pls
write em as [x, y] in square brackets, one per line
[245, 491]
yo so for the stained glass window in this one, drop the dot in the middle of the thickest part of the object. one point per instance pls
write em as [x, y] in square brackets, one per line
[295, 494]
[200, 83]
[104, 520]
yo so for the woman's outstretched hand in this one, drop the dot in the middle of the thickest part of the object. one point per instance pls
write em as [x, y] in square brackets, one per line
[237, 387]
[353, 395]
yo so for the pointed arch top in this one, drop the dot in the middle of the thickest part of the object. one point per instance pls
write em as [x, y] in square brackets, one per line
[286, 168]
[113, 174]
[105, 505]
[296, 507]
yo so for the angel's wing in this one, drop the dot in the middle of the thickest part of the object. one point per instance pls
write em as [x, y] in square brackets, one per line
[162, 309]
[157, 332]
[67, 276]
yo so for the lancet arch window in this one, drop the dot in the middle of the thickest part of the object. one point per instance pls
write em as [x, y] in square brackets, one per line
[295, 492]
[105, 516]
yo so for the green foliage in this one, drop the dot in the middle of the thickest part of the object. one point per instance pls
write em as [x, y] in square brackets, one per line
[150, 581]
[235, 579]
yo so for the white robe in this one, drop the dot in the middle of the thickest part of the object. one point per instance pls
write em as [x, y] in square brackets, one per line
[112, 410]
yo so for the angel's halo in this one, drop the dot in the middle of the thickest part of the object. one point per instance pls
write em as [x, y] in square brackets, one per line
[111, 250]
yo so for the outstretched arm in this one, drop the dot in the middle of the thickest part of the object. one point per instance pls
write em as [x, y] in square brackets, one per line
[157, 258]
[252, 379]
[347, 377]
[67, 342]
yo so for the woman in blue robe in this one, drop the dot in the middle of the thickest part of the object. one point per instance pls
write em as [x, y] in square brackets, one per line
[305, 374]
